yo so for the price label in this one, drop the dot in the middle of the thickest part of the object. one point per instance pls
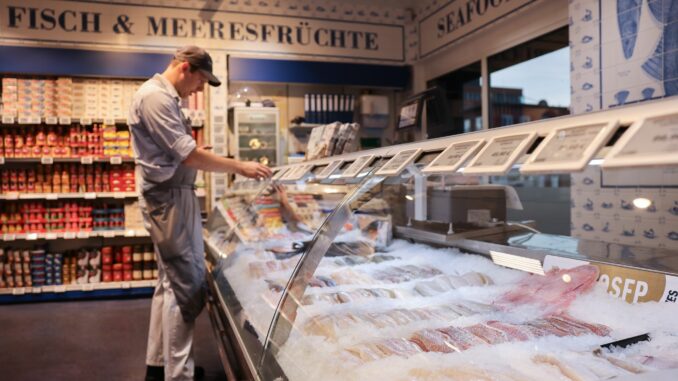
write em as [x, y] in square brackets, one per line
[453, 157]
[109, 121]
[82, 235]
[116, 160]
[51, 196]
[31, 236]
[12, 196]
[129, 233]
[354, 169]
[648, 142]
[9, 237]
[86, 121]
[119, 195]
[125, 285]
[298, 173]
[24, 120]
[65, 120]
[279, 174]
[87, 160]
[18, 290]
[197, 122]
[35, 120]
[108, 234]
[398, 162]
[2, 160]
[329, 170]
[90, 196]
[7, 119]
[69, 235]
[88, 287]
[59, 289]
[37, 290]
[51, 236]
[47, 160]
[51, 120]
[569, 149]
[497, 157]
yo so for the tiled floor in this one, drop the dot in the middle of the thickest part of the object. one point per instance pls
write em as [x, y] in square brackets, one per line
[87, 340]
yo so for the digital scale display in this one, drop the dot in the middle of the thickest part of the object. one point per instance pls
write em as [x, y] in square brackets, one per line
[649, 141]
[398, 162]
[453, 157]
[569, 149]
[354, 169]
[500, 153]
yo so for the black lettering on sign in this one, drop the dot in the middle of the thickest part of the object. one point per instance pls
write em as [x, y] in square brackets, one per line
[672, 296]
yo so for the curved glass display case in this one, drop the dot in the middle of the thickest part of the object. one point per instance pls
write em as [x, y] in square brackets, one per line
[406, 263]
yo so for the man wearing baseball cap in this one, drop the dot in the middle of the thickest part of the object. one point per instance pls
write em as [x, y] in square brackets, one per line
[168, 160]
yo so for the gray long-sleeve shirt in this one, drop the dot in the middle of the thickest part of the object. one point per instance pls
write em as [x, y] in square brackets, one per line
[161, 137]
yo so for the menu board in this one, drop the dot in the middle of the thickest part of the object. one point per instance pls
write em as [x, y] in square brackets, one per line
[354, 169]
[649, 141]
[453, 157]
[298, 172]
[569, 149]
[398, 162]
[497, 157]
[329, 170]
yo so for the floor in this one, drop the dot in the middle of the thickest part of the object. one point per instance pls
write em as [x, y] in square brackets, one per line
[87, 340]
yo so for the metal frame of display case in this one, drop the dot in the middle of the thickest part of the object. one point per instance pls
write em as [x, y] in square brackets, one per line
[517, 246]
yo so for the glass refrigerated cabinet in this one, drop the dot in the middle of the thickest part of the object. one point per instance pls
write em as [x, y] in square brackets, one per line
[541, 251]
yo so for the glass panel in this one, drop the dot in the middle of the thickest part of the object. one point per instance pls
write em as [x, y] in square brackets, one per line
[462, 96]
[530, 81]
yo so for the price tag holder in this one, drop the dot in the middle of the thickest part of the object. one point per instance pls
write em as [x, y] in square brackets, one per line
[569, 149]
[65, 120]
[82, 235]
[90, 196]
[649, 141]
[116, 160]
[130, 233]
[398, 162]
[18, 290]
[51, 196]
[88, 287]
[9, 237]
[357, 166]
[125, 285]
[51, 120]
[87, 160]
[51, 236]
[35, 120]
[31, 236]
[109, 121]
[47, 160]
[7, 119]
[24, 120]
[2, 160]
[500, 153]
[329, 170]
[69, 235]
[298, 172]
[60, 289]
[85, 121]
[108, 234]
[197, 122]
[454, 156]
[12, 196]
[36, 290]
[279, 173]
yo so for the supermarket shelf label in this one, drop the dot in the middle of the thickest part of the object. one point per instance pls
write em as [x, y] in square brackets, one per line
[9, 237]
[569, 149]
[108, 234]
[47, 160]
[51, 236]
[87, 160]
[7, 119]
[453, 157]
[81, 235]
[116, 160]
[18, 291]
[51, 196]
[357, 166]
[90, 196]
[497, 157]
[64, 120]
[88, 287]
[51, 120]
[12, 196]
[69, 235]
[2, 160]
[109, 121]
[24, 120]
[650, 141]
[329, 170]
[130, 233]
[59, 289]
[31, 236]
[35, 120]
[197, 122]
[398, 162]
[85, 121]
[279, 174]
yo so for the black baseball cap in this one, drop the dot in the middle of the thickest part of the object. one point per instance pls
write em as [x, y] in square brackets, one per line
[200, 59]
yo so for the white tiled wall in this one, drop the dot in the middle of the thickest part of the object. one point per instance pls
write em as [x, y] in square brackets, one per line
[617, 47]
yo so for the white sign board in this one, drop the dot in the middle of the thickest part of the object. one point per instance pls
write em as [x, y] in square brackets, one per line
[649, 141]
[453, 157]
[158, 26]
[497, 157]
[329, 170]
[357, 166]
[569, 149]
[398, 162]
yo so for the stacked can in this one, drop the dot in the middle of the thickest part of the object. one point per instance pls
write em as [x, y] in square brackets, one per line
[15, 269]
[117, 263]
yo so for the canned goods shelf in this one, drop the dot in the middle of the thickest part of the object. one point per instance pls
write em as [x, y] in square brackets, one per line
[82, 160]
[60, 196]
[9, 120]
[73, 235]
[77, 291]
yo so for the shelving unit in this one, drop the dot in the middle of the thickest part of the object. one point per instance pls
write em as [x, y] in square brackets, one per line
[254, 134]
[76, 291]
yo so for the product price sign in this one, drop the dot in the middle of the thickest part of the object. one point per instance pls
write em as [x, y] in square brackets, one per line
[47, 160]
[81, 235]
[12, 196]
[649, 141]
[24, 120]
[196, 122]
[31, 236]
[51, 236]
[65, 120]
[569, 149]
[358, 165]
[51, 196]
[497, 157]
[90, 196]
[35, 120]
[108, 234]
[87, 160]
[398, 162]
[51, 120]
[278, 174]
[9, 237]
[2, 160]
[69, 235]
[453, 157]
[116, 160]
[329, 170]
[7, 119]
[298, 172]
[109, 121]
[86, 121]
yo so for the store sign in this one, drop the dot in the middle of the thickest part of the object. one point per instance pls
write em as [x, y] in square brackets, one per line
[457, 19]
[631, 285]
[131, 25]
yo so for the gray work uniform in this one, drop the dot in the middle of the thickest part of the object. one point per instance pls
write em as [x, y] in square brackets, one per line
[161, 138]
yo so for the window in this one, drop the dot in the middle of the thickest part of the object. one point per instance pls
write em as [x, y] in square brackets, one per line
[530, 81]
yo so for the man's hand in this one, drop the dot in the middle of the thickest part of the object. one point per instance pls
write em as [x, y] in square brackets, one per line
[253, 170]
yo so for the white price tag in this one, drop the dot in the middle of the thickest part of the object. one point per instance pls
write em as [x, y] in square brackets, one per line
[108, 234]
[88, 287]
[65, 120]
[31, 236]
[37, 290]
[24, 120]
[125, 285]
[116, 160]
[86, 160]
[129, 233]
[60, 289]
[7, 119]
[12, 196]
[51, 120]
[109, 121]
[85, 121]
[2, 160]
[69, 235]
[90, 196]
[18, 291]
[51, 236]
[51, 196]
[47, 160]
[197, 122]
[35, 120]
[118, 195]
[9, 237]
[82, 235]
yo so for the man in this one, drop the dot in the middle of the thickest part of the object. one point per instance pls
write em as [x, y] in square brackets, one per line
[168, 160]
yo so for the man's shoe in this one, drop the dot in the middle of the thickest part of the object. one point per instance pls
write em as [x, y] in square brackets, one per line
[155, 373]
[198, 373]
